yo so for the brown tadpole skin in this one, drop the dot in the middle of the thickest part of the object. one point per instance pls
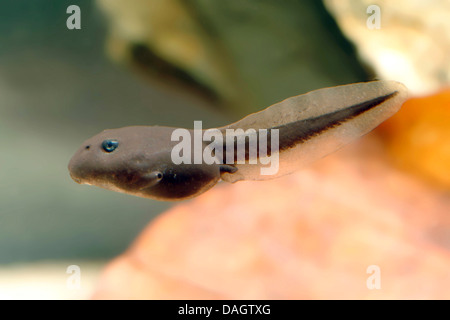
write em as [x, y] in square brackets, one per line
[141, 165]
[138, 160]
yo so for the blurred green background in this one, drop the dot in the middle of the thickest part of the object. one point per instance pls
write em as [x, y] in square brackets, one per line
[59, 87]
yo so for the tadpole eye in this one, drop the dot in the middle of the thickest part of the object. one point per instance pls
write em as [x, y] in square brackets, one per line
[110, 145]
[159, 175]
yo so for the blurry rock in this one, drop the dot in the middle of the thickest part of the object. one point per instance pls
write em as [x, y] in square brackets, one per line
[418, 137]
[412, 46]
[245, 54]
[312, 234]
[164, 39]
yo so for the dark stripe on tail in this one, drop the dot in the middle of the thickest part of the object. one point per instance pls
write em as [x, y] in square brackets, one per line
[301, 131]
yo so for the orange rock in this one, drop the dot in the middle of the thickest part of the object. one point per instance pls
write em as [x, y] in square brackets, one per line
[418, 137]
[309, 235]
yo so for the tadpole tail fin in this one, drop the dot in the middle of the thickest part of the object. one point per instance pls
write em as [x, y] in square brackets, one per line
[315, 124]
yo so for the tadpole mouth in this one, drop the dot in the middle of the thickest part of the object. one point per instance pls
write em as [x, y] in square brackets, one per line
[77, 180]
[74, 171]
